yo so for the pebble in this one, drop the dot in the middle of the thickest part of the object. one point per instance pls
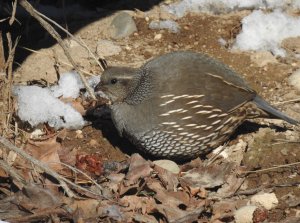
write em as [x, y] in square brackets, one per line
[266, 200]
[245, 214]
[79, 134]
[168, 165]
[158, 36]
[122, 26]
[170, 25]
[107, 48]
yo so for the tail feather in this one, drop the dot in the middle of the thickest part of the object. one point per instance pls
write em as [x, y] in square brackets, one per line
[273, 112]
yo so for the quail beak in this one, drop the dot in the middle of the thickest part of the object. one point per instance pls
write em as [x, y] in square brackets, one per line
[98, 87]
[100, 92]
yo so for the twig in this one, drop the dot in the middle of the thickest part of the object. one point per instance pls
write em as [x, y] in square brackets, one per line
[283, 141]
[41, 214]
[9, 75]
[216, 155]
[62, 62]
[83, 173]
[12, 173]
[272, 168]
[13, 13]
[287, 102]
[28, 7]
[78, 40]
[62, 181]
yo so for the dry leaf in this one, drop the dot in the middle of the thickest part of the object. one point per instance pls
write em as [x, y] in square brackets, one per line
[169, 179]
[207, 177]
[138, 204]
[138, 169]
[46, 150]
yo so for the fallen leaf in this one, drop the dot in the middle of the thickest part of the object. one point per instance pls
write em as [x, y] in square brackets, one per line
[46, 150]
[138, 204]
[206, 176]
[169, 179]
[139, 168]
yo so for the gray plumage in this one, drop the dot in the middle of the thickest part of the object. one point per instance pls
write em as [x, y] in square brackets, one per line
[182, 104]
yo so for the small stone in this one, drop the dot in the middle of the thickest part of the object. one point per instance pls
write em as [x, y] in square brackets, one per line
[107, 48]
[266, 200]
[128, 48]
[158, 36]
[147, 19]
[79, 134]
[170, 25]
[245, 214]
[168, 165]
[122, 26]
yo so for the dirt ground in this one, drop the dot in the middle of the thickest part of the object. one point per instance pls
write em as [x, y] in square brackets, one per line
[269, 143]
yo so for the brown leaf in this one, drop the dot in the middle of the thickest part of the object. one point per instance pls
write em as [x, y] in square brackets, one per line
[46, 150]
[138, 169]
[144, 218]
[3, 173]
[207, 177]
[173, 199]
[35, 197]
[88, 207]
[232, 184]
[169, 179]
[138, 204]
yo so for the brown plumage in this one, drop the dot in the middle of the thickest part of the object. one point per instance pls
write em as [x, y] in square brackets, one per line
[182, 104]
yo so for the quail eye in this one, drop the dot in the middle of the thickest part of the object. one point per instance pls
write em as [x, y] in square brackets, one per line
[113, 81]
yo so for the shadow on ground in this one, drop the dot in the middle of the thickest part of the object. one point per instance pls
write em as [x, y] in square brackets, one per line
[78, 12]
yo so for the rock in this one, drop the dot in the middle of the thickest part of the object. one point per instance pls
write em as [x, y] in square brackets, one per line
[170, 25]
[158, 36]
[168, 165]
[122, 26]
[266, 200]
[262, 58]
[245, 214]
[294, 80]
[79, 134]
[107, 48]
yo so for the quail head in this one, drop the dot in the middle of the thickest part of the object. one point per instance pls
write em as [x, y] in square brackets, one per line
[181, 104]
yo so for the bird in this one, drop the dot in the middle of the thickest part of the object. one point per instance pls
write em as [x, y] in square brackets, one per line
[181, 105]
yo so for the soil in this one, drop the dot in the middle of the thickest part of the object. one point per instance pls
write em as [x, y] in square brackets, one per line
[270, 143]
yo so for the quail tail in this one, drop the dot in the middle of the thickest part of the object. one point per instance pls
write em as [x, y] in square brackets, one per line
[273, 112]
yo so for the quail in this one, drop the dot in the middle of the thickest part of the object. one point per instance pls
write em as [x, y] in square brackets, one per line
[182, 104]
